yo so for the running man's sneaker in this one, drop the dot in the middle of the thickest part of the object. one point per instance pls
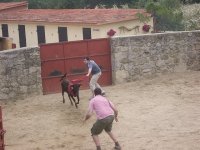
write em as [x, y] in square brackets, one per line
[117, 147]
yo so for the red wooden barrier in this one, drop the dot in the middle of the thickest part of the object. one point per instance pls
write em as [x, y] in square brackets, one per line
[2, 132]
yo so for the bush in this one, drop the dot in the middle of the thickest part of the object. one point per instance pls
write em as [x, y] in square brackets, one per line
[191, 19]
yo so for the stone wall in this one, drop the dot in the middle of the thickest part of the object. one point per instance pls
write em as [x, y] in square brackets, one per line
[144, 56]
[20, 73]
[133, 58]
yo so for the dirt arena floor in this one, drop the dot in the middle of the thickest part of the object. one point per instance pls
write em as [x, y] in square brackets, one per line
[154, 114]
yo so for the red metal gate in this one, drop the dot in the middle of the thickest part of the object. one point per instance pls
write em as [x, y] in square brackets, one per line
[2, 132]
[67, 57]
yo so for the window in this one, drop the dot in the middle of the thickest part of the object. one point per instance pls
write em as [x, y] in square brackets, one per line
[62, 34]
[4, 30]
[22, 35]
[86, 33]
[41, 34]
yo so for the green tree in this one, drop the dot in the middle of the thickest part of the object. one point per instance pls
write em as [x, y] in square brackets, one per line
[58, 4]
[167, 14]
[191, 17]
[190, 1]
[106, 3]
[71, 4]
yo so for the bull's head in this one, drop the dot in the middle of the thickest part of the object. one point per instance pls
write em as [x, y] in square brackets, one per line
[64, 76]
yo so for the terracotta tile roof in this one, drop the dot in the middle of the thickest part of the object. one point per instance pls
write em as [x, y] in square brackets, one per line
[9, 5]
[86, 16]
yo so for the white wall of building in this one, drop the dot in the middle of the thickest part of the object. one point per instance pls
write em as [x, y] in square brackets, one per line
[31, 35]
[51, 33]
[97, 32]
[74, 31]
[125, 28]
[13, 33]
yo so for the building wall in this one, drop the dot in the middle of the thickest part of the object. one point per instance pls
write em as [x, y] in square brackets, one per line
[51, 33]
[126, 28]
[31, 35]
[13, 33]
[74, 31]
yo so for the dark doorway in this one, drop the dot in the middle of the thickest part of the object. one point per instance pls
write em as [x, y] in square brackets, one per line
[22, 35]
[4, 30]
[41, 34]
[62, 34]
[86, 33]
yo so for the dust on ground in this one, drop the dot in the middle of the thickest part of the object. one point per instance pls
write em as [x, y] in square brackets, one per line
[162, 113]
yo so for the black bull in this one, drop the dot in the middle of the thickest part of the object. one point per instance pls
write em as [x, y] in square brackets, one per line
[72, 89]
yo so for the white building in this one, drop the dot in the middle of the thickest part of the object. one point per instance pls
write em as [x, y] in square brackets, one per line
[30, 27]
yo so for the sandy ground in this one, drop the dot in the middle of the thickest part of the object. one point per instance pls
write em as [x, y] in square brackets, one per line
[154, 114]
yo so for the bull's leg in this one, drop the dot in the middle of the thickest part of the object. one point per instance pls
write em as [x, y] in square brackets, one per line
[78, 98]
[63, 97]
[70, 99]
[75, 102]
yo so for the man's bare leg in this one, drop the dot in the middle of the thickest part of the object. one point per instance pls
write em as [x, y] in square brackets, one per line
[96, 141]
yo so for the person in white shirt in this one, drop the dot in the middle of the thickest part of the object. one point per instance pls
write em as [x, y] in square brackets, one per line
[95, 71]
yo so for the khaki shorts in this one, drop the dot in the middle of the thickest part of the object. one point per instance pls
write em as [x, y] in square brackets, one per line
[103, 124]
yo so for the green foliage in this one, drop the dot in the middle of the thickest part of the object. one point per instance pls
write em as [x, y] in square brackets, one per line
[52, 4]
[191, 17]
[152, 7]
[169, 20]
[190, 1]
[106, 3]
[167, 14]
[72, 4]
[143, 18]
[170, 4]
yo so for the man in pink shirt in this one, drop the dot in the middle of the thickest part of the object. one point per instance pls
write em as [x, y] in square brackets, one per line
[105, 113]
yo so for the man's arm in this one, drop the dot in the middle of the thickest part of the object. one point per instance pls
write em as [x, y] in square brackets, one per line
[87, 116]
[89, 71]
[116, 114]
[115, 110]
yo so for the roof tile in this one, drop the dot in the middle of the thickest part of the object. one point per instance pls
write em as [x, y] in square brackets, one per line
[9, 5]
[87, 16]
